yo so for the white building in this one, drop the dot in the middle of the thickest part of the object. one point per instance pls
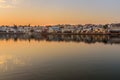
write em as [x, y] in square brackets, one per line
[115, 28]
[54, 29]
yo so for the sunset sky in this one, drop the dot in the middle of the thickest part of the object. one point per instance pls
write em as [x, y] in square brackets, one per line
[45, 12]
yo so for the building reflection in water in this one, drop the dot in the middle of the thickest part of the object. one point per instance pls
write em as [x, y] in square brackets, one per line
[33, 57]
[9, 62]
[106, 39]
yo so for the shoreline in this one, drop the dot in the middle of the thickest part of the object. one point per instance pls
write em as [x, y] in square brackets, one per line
[65, 33]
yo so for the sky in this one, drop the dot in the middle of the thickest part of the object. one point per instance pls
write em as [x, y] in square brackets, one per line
[50, 12]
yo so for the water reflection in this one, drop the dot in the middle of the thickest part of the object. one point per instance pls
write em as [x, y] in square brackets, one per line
[59, 57]
[106, 39]
[10, 62]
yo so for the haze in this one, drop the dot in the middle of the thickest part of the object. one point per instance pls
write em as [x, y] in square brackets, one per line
[49, 12]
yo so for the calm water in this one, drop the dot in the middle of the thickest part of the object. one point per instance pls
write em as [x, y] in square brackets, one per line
[59, 57]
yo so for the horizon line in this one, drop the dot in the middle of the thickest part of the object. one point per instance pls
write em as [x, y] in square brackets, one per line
[56, 24]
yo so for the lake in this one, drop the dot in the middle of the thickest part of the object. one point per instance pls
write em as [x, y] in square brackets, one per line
[59, 57]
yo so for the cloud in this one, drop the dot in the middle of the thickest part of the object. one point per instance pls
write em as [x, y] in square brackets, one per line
[8, 3]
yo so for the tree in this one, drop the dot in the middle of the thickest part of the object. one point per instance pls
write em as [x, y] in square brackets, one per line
[15, 26]
[105, 26]
[29, 25]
